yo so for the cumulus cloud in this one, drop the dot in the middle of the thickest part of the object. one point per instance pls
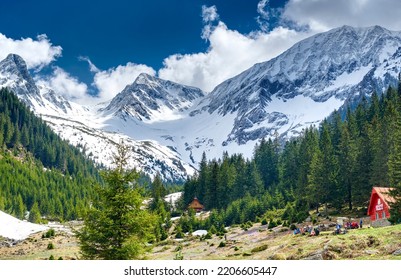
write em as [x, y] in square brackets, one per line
[37, 53]
[229, 53]
[112, 81]
[66, 85]
[322, 15]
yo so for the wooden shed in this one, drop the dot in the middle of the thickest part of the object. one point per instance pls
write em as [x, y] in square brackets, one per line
[196, 205]
[379, 205]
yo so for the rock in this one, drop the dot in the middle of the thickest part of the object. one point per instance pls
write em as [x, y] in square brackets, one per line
[314, 257]
[372, 252]
[308, 219]
[397, 252]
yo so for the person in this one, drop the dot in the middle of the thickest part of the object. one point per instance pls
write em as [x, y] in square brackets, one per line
[338, 228]
[360, 223]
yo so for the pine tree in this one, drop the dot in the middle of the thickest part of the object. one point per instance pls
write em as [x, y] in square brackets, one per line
[116, 226]
[34, 214]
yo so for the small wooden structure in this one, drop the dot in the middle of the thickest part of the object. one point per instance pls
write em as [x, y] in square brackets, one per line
[196, 205]
[379, 206]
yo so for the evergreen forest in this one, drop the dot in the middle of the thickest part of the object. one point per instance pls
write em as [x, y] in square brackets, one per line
[39, 172]
[331, 166]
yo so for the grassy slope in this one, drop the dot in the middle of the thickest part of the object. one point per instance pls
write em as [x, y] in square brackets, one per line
[367, 243]
[257, 243]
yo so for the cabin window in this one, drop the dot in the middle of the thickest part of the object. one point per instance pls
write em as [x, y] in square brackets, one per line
[377, 215]
[383, 215]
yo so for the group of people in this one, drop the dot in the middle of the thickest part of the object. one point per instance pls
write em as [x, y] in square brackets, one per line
[308, 229]
[348, 225]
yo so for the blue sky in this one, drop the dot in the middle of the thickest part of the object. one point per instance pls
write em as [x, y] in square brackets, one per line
[98, 47]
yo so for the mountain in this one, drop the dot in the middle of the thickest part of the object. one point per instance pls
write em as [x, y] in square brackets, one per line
[170, 125]
[151, 99]
[84, 126]
[308, 81]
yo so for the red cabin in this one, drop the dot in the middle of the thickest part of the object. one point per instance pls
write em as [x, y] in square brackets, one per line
[379, 208]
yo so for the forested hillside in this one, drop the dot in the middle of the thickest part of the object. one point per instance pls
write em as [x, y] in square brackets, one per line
[38, 170]
[333, 165]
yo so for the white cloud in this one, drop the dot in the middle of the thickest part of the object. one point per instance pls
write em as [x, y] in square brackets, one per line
[322, 15]
[112, 81]
[263, 18]
[36, 53]
[209, 14]
[92, 67]
[67, 86]
[229, 53]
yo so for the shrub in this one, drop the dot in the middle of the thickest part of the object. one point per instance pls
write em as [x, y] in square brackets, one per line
[272, 224]
[259, 248]
[293, 227]
[179, 256]
[222, 244]
[50, 246]
[264, 222]
[208, 235]
[50, 233]
[51, 257]
[213, 229]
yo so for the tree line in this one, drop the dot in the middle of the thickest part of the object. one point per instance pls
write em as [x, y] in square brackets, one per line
[38, 170]
[333, 165]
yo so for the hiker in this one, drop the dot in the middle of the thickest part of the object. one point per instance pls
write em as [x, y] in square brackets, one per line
[337, 229]
[360, 223]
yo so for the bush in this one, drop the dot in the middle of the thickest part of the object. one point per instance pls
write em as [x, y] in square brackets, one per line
[222, 244]
[51, 257]
[50, 246]
[50, 233]
[293, 227]
[272, 224]
[259, 248]
[264, 222]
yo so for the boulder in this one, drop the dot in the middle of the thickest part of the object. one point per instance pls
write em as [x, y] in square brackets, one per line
[397, 252]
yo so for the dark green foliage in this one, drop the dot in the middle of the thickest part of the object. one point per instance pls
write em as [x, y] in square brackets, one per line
[50, 233]
[34, 214]
[272, 224]
[222, 244]
[116, 226]
[36, 166]
[334, 166]
[50, 246]
[51, 257]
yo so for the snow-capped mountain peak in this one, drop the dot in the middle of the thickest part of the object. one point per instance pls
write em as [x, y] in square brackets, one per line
[152, 99]
[169, 125]
[328, 68]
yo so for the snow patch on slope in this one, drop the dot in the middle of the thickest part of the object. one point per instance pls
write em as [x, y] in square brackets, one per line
[16, 229]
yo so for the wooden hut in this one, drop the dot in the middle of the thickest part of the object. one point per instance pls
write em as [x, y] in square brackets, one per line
[379, 206]
[196, 205]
